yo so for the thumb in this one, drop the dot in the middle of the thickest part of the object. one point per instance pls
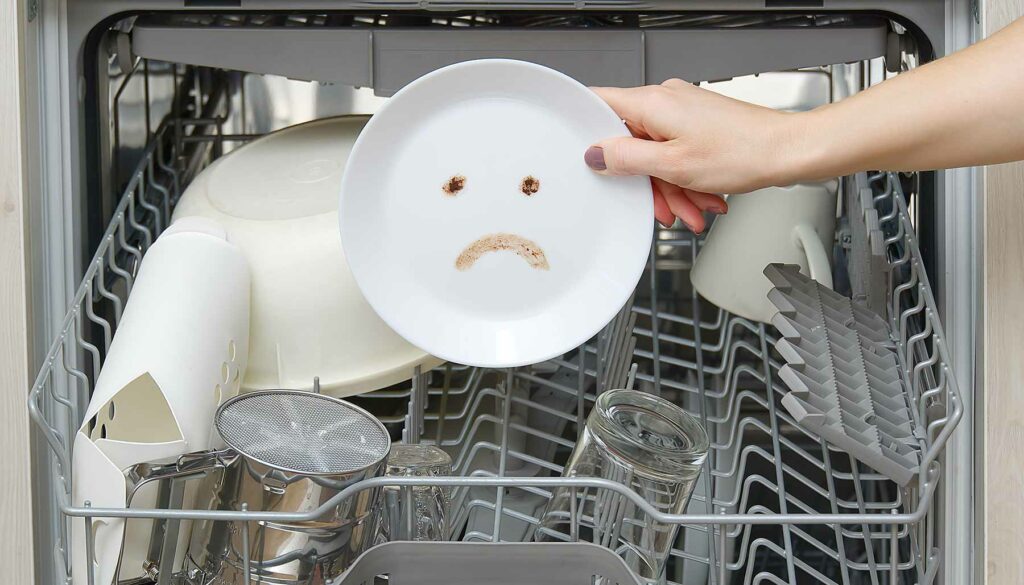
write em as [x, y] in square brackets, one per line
[630, 156]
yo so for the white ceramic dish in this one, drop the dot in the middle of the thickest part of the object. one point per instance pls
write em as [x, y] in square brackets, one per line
[499, 129]
[277, 198]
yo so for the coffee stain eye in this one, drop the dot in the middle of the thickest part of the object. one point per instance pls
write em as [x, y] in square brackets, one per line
[453, 185]
[529, 185]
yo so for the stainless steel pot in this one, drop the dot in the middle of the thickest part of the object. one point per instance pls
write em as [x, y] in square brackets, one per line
[288, 451]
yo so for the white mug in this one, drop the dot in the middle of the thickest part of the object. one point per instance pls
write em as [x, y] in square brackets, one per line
[791, 225]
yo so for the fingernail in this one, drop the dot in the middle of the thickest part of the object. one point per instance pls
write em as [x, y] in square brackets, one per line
[692, 229]
[594, 157]
[665, 225]
[718, 209]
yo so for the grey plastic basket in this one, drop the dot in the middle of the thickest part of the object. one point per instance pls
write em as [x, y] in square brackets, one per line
[505, 563]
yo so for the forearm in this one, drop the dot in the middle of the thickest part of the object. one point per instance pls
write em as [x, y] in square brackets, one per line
[963, 110]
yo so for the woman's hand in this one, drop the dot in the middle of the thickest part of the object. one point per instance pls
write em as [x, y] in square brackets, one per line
[962, 110]
[694, 143]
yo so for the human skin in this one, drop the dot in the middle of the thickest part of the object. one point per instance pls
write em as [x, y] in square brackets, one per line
[965, 109]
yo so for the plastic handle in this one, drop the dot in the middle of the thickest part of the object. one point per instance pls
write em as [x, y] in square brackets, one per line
[817, 256]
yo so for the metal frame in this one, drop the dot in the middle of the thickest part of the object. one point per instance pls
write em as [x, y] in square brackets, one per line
[721, 368]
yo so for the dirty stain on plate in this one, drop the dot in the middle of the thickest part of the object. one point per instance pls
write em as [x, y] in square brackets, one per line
[520, 246]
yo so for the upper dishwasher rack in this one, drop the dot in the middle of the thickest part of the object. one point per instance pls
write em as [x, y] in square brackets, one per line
[827, 515]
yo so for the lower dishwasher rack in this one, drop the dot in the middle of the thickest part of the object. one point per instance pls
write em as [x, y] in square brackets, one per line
[774, 503]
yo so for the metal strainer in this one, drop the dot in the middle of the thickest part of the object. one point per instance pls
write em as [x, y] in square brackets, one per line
[289, 451]
[302, 432]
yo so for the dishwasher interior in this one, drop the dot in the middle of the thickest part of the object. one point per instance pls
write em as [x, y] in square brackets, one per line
[775, 503]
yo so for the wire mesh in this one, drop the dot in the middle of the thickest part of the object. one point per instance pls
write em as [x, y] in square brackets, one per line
[302, 432]
[775, 503]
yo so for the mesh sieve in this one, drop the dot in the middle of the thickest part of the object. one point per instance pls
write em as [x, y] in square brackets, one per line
[303, 432]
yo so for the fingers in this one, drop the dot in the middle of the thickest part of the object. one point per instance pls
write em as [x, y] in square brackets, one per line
[637, 131]
[632, 156]
[680, 205]
[647, 108]
[707, 202]
[646, 153]
[662, 213]
[676, 83]
[686, 211]
[625, 155]
[704, 201]
[651, 151]
[631, 104]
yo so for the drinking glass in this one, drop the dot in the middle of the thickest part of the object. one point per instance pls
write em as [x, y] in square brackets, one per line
[416, 512]
[647, 444]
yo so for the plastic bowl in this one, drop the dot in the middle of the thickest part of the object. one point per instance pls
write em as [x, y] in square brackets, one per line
[277, 198]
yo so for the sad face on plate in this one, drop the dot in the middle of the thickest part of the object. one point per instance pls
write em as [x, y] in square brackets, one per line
[526, 249]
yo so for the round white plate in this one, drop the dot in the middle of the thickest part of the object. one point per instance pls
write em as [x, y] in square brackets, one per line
[492, 276]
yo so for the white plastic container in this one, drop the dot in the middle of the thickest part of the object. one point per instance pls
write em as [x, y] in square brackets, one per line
[277, 197]
[180, 349]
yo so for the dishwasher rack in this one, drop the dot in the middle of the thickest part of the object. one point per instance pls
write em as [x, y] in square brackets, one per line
[774, 504]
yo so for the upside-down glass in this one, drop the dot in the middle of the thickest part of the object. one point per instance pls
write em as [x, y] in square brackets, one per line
[643, 442]
[416, 512]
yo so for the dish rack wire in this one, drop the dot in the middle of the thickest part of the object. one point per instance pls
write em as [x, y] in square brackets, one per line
[774, 504]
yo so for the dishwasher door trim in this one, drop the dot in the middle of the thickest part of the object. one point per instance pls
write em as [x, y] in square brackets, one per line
[959, 283]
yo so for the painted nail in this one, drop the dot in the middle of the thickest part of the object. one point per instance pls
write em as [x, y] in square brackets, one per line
[594, 157]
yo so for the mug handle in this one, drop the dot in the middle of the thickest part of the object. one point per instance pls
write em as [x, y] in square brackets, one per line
[817, 257]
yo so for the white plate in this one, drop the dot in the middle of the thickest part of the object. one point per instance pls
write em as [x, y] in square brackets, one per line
[495, 123]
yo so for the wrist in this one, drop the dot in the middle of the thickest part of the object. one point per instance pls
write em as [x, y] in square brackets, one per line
[801, 149]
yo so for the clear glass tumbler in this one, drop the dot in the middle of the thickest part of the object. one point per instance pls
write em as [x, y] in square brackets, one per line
[643, 442]
[416, 512]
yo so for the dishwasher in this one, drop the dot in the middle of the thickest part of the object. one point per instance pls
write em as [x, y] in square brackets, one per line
[137, 98]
